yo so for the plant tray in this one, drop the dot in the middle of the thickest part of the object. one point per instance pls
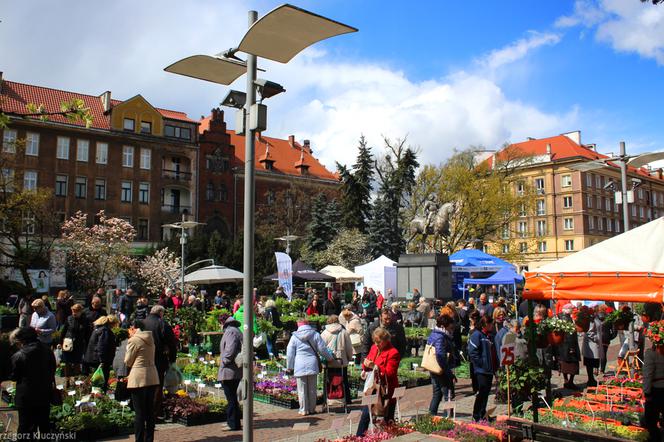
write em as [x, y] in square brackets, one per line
[200, 419]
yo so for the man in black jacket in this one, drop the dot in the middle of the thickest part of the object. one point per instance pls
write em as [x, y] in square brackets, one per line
[165, 347]
[398, 335]
[33, 370]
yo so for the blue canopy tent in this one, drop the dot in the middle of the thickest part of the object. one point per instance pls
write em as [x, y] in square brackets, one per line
[504, 276]
[467, 261]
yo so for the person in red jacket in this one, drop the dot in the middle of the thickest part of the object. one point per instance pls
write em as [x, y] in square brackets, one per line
[380, 300]
[385, 358]
[314, 307]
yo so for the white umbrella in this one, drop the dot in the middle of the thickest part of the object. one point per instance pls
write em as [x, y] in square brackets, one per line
[213, 275]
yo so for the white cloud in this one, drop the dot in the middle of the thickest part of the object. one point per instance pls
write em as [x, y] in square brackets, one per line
[628, 26]
[123, 46]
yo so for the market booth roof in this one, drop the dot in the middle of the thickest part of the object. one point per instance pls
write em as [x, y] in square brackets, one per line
[341, 274]
[303, 273]
[213, 275]
[506, 275]
[473, 260]
[628, 267]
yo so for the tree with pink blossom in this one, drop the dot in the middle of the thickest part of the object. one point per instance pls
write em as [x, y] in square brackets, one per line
[97, 254]
[159, 271]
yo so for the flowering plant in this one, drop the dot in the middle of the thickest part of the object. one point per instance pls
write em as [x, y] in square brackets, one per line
[583, 315]
[280, 387]
[558, 325]
[656, 333]
[623, 316]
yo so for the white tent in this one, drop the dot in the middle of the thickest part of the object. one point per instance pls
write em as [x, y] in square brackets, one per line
[213, 275]
[627, 267]
[380, 274]
[341, 274]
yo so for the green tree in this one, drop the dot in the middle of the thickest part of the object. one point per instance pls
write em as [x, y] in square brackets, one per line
[356, 189]
[324, 224]
[349, 249]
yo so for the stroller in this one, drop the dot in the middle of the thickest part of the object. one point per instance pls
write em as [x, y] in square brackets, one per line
[334, 390]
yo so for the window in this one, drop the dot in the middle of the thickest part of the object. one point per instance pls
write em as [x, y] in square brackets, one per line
[30, 180]
[28, 223]
[223, 195]
[541, 228]
[598, 181]
[63, 148]
[589, 201]
[603, 225]
[100, 189]
[506, 231]
[539, 186]
[639, 193]
[142, 229]
[506, 248]
[146, 127]
[522, 210]
[485, 248]
[177, 132]
[567, 202]
[7, 180]
[615, 208]
[566, 180]
[609, 225]
[641, 212]
[520, 187]
[607, 204]
[102, 153]
[9, 141]
[61, 185]
[591, 223]
[541, 246]
[146, 157]
[568, 223]
[144, 193]
[125, 195]
[81, 188]
[82, 148]
[523, 229]
[589, 180]
[599, 203]
[569, 245]
[541, 207]
[597, 223]
[523, 247]
[129, 124]
[32, 144]
[209, 192]
[632, 209]
[127, 156]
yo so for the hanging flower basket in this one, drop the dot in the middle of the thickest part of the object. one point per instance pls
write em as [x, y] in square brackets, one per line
[555, 338]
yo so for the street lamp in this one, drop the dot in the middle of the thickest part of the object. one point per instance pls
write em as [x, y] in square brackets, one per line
[288, 238]
[183, 226]
[279, 36]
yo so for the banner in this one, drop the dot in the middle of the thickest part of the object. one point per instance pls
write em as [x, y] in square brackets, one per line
[285, 273]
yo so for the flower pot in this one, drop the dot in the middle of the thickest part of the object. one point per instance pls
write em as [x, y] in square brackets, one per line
[619, 325]
[660, 349]
[645, 318]
[555, 338]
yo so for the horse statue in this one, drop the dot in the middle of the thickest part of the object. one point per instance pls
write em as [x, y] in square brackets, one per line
[438, 224]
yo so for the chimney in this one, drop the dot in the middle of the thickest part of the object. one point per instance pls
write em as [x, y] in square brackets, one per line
[574, 136]
[106, 101]
[307, 146]
[531, 139]
[291, 141]
[548, 148]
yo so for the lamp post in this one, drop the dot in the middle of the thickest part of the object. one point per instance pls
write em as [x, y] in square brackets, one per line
[183, 226]
[288, 238]
[279, 36]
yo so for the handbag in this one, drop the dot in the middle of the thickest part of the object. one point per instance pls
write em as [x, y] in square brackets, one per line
[67, 344]
[429, 360]
[356, 340]
[383, 398]
[121, 391]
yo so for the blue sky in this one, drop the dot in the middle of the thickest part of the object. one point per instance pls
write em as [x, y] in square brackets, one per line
[444, 74]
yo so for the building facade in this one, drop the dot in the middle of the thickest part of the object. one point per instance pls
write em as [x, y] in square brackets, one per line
[135, 161]
[574, 208]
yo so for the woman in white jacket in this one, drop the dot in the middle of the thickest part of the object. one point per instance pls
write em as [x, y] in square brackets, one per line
[338, 341]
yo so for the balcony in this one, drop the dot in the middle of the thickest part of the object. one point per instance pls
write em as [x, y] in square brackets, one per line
[176, 175]
[169, 208]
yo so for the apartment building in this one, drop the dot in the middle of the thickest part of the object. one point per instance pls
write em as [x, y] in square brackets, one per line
[574, 208]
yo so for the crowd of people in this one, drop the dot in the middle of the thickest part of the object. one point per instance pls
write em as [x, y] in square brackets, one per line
[365, 329]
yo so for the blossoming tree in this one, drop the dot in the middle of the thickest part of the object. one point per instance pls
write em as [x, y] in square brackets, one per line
[97, 254]
[159, 270]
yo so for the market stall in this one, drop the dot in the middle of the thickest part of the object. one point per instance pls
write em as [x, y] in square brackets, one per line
[379, 274]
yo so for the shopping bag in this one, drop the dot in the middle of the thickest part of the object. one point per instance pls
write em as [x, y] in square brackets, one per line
[429, 360]
[173, 376]
[98, 379]
[67, 344]
[369, 382]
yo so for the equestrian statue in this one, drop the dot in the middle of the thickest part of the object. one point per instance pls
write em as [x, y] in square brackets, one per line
[435, 220]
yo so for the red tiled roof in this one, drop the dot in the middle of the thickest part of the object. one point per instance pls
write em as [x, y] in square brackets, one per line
[15, 96]
[284, 156]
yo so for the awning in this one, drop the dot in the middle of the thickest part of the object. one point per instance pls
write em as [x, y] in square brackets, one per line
[503, 276]
[628, 268]
[303, 273]
[213, 275]
[341, 274]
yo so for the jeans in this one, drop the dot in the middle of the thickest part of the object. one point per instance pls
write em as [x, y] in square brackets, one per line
[143, 400]
[441, 390]
[483, 389]
[654, 408]
[233, 410]
[31, 419]
[306, 393]
[270, 347]
[363, 425]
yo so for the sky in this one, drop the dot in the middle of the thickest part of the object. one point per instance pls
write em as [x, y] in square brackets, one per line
[443, 75]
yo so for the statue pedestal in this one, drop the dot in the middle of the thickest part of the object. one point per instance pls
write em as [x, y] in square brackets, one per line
[431, 273]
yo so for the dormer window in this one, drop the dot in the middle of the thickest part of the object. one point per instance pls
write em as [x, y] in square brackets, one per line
[146, 127]
[129, 124]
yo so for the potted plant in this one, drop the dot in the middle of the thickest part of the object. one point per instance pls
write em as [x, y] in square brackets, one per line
[557, 329]
[620, 318]
[656, 335]
[8, 318]
[582, 318]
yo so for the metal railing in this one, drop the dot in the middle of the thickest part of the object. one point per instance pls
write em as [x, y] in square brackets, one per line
[177, 175]
[169, 208]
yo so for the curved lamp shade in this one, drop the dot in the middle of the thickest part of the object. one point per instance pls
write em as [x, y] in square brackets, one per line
[286, 30]
[645, 158]
[213, 275]
[208, 68]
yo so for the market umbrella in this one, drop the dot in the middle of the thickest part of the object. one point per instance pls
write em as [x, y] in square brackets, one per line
[341, 274]
[213, 275]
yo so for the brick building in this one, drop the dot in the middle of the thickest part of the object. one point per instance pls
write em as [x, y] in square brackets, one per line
[574, 208]
[135, 161]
